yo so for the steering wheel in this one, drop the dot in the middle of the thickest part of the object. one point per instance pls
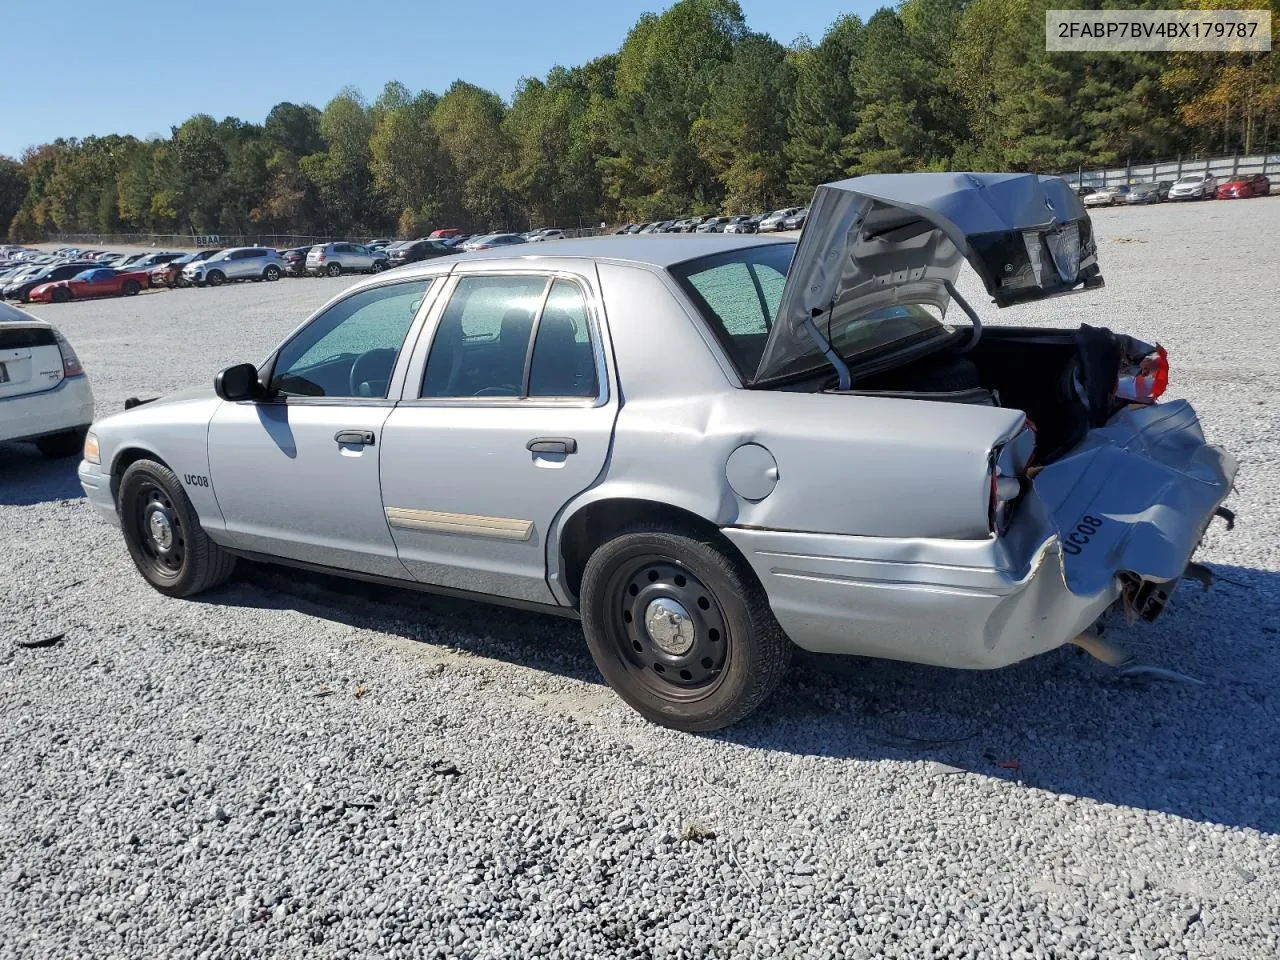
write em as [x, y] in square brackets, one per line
[374, 368]
[500, 390]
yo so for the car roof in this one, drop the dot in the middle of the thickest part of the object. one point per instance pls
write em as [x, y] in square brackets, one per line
[13, 317]
[654, 249]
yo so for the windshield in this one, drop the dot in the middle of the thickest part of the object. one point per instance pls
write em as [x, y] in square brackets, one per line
[1191, 178]
[738, 293]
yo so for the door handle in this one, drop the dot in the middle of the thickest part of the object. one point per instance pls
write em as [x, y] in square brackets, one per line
[363, 438]
[552, 445]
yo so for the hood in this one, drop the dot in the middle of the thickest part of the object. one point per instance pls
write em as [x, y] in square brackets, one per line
[892, 239]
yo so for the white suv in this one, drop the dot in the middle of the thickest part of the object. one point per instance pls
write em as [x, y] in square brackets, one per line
[44, 394]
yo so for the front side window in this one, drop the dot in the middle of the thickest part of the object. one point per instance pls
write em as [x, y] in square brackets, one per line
[350, 350]
[482, 346]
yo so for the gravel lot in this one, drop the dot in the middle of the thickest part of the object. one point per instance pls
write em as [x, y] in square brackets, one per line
[294, 767]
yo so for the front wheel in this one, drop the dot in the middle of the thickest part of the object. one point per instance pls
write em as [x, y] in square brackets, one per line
[61, 295]
[680, 628]
[130, 288]
[215, 278]
[163, 533]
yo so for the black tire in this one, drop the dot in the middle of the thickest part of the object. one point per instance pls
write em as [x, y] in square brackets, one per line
[736, 653]
[333, 269]
[61, 445]
[191, 563]
[60, 295]
[215, 278]
[272, 273]
[379, 266]
[130, 288]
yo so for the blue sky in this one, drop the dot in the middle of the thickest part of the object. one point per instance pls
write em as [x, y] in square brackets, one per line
[77, 67]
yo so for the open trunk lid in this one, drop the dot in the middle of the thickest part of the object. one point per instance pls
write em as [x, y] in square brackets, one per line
[890, 239]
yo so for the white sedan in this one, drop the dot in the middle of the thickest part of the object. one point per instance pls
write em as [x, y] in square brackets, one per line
[44, 393]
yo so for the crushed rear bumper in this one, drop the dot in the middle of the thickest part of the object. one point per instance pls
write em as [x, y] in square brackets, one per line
[1121, 514]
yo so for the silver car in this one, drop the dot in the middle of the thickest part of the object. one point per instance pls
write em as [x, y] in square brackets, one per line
[1194, 186]
[773, 222]
[238, 263]
[333, 259]
[709, 449]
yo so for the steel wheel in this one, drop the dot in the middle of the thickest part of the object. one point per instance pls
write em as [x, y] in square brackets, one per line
[669, 630]
[158, 531]
[680, 628]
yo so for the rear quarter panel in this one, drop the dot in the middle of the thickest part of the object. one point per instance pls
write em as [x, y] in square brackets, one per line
[851, 465]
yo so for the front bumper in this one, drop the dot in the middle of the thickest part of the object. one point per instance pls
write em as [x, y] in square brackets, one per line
[97, 490]
[1124, 510]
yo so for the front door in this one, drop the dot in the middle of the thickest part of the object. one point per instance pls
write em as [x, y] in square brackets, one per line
[511, 417]
[296, 476]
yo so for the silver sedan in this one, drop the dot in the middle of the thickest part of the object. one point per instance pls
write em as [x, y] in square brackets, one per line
[709, 449]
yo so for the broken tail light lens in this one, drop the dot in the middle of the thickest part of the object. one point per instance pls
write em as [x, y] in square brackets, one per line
[1007, 467]
[1143, 378]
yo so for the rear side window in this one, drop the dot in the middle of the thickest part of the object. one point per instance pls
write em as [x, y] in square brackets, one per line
[23, 338]
[482, 347]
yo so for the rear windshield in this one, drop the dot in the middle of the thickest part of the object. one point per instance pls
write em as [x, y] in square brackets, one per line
[738, 294]
[21, 338]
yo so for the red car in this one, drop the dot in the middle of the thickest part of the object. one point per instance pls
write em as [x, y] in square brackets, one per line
[1239, 187]
[447, 233]
[99, 282]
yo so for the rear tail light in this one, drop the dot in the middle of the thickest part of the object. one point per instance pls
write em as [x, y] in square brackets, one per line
[1007, 467]
[1144, 378]
[70, 362]
[320, 256]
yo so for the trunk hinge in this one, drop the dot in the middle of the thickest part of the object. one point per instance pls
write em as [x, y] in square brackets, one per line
[843, 377]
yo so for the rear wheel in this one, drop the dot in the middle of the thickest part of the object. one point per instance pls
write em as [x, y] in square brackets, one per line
[379, 266]
[61, 294]
[681, 629]
[163, 533]
[272, 273]
[61, 445]
[130, 288]
[215, 278]
[333, 269]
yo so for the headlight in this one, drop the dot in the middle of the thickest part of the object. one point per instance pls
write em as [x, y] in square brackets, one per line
[91, 448]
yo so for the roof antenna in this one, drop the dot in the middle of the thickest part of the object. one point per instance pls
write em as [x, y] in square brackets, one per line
[844, 379]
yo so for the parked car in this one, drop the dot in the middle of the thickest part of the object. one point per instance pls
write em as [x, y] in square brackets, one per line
[1256, 185]
[489, 240]
[773, 222]
[624, 229]
[20, 287]
[1143, 193]
[444, 233]
[1107, 196]
[237, 263]
[92, 284]
[1165, 186]
[976, 539]
[550, 233]
[1083, 190]
[713, 225]
[170, 274]
[294, 261]
[745, 224]
[797, 220]
[332, 259]
[1194, 186]
[45, 396]
[380, 244]
[416, 250]
[149, 260]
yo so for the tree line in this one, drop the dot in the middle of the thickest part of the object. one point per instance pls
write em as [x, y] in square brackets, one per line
[695, 114]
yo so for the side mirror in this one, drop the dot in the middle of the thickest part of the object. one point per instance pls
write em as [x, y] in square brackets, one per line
[239, 382]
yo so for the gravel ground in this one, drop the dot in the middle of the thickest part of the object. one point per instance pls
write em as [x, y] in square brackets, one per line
[298, 767]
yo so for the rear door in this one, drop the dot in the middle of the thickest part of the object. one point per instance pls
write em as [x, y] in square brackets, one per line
[506, 414]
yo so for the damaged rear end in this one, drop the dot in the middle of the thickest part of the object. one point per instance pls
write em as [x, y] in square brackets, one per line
[1098, 499]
